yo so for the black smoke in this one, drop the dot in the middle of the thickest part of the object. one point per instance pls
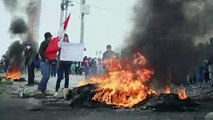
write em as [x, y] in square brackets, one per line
[167, 32]
[22, 29]
[18, 26]
[15, 55]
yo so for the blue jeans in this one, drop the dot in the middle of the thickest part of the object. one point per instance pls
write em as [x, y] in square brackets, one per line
[63, 68]
[45, 70]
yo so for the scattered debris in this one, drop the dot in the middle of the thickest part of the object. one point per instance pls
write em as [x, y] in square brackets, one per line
[34, 104]
[167, 102]
[83, 97]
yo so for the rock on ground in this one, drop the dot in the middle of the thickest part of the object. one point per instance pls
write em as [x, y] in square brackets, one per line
[209, 116]
[33, 104]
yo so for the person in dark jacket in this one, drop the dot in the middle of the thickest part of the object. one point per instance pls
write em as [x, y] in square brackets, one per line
[45, 63]
[30, 55]
[63, 68]
[109, 53]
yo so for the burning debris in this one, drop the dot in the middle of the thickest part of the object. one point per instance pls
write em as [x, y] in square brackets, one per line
[167, 102]
[14, 74]
[83, 96]
[127, 85]
[15, 57]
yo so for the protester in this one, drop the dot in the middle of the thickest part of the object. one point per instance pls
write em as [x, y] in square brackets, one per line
[53, 67]
[99, 67]
[64, 67]
[73, 68]
[31, 56]
[86, 65]
[6, 61]
[108, 54]
[206, 71]
[45, 63]
[76, 68]
[93, 67]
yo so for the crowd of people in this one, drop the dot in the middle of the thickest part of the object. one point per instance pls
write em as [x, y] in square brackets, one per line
[56, 67]
[203, 74]
[88, 66]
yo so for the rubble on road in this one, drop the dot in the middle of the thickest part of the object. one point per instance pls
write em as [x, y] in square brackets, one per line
[33, 104]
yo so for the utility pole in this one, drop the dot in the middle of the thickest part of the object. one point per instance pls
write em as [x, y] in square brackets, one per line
[82, 23]
[62, 12]
[64, 8]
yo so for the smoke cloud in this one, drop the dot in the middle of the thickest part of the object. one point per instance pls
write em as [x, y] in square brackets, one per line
[18, 26]
[16, 55]
[168, 33]
[11, 5]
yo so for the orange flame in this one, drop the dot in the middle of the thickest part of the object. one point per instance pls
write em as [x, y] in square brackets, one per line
[182, 92]
[14, 74]
[168, 90]
[126, 84]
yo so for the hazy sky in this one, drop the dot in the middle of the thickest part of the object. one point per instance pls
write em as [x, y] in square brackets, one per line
[109, 22]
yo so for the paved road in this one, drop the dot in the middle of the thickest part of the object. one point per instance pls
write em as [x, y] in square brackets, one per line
[14, 109]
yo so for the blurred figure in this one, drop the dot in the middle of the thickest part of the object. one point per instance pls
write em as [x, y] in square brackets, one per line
[76, 68]
[31, 57]
[206, 71]
[54, 67]
[45, 63]
[73, 68]
[5, 61]
[100, 70]
[109, 53]
[93, 67]
[86, 65]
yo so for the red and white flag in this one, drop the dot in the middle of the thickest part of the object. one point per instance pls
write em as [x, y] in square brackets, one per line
[52, 49]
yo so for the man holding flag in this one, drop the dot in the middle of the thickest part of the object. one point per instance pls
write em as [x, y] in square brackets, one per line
[48, 51]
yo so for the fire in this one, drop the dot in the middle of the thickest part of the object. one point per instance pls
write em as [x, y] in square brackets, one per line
[182, 92]
[127, 82]
[14, 74]
[168, 90]
[125, 85]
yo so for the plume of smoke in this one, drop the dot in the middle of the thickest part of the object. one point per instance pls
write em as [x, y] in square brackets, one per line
[18, 26]
[166, 32]
[16, 55]
[33, 12]
[11, 5]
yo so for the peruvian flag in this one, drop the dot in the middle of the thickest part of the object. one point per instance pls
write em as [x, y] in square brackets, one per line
[52, 49]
